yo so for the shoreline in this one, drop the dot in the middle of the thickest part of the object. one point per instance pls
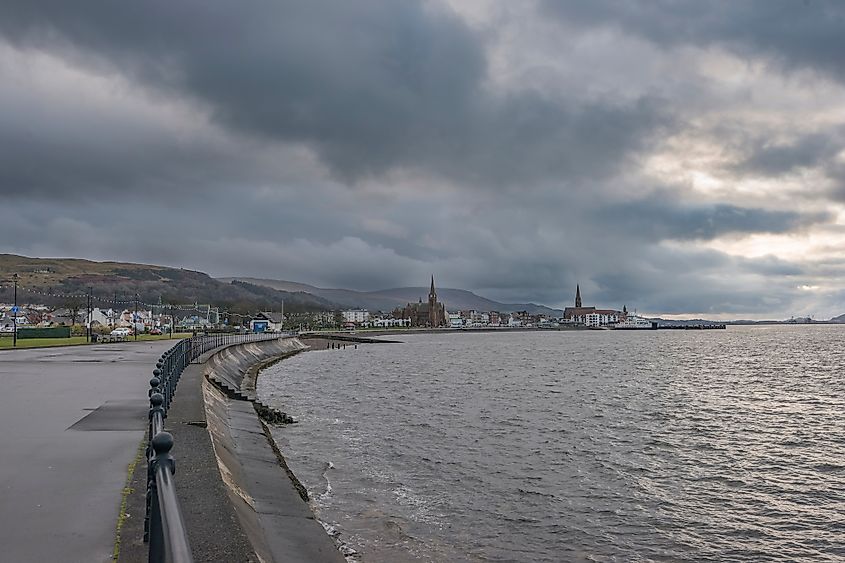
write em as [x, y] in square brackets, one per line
[344, 549]
[363, 334]
[238, 473]
[269, 500]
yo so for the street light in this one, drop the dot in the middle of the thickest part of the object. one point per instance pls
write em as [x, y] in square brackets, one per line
[15, 314]
[135, 318]
[88, 307]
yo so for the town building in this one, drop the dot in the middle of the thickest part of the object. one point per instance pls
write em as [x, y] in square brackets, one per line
[455, 320]
[380, 322]
[266, 321]
[431, 314]
[358, 317]
[589, 316]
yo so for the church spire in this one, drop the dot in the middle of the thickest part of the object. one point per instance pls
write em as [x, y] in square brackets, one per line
[432, 295]
[577, 295]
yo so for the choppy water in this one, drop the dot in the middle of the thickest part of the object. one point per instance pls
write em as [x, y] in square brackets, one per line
[575, 446]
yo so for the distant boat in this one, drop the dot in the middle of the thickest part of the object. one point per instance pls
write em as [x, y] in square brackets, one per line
[633, 322]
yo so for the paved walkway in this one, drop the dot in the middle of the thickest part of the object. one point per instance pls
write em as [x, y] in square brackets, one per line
[71, 420]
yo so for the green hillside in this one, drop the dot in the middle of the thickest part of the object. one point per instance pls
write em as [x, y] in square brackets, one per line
[51, 280]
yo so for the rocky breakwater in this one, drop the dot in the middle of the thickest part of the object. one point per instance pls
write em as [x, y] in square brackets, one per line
[268, 500]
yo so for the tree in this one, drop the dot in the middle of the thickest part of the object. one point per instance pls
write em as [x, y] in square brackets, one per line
[73, 305]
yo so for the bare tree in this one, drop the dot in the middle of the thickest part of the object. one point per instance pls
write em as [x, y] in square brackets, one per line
[73, 305]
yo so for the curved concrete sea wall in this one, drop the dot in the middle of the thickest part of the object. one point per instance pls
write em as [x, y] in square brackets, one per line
[229, 365]
[269, 502]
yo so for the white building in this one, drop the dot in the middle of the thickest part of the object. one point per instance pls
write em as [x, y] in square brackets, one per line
[101, 317]
[358, 316]
[267, 321]
[601, 318]
[455, 320]
[390, 323]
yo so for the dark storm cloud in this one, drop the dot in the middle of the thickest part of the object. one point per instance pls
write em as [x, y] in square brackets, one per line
[694, 281]
[774, 159]
[349, 144]
[771, 266]
[83, 156]
[661, 217]
[371, 85]
[684, 292]
[794, 33]
[836, 173]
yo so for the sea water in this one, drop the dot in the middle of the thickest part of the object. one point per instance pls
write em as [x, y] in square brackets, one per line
[710, 445]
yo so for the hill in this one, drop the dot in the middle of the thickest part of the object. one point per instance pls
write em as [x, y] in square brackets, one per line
[51, 280]
[388, 299]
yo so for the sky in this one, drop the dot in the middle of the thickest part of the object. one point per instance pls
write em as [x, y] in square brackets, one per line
[683, 158]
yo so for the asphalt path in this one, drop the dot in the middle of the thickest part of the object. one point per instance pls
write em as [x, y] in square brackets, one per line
[71, 420]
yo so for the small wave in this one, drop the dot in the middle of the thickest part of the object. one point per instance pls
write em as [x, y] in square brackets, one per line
[327, 491]
[529, 492]
[829, 468]
[349, 553]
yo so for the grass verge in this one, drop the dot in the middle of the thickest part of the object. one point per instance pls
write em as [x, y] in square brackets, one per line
[127, 490]
[6, 341]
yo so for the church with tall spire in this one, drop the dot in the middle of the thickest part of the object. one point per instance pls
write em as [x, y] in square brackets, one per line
[431, 314]
[590, 316]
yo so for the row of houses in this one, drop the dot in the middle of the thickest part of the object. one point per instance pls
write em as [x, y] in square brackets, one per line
[418, 314]
[143, 320]
[361, 318]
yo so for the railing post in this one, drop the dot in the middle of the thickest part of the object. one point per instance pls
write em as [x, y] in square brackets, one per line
[156, 413]
[155, 535]
[155, 381]
[162, 443]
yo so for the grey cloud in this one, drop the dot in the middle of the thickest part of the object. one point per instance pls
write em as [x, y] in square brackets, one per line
[836, 172]
[272, 244]
[693, 281]
[772, 266]
[57, 143]
[280, 108]
[659, 217]
[794, 33]
[775, 159]
[371, 86]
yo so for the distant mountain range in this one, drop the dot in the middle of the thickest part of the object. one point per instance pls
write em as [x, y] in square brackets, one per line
[388, 299]
[52, 281]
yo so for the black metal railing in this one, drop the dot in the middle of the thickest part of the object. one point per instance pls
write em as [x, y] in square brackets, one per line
[202, 344]
[164, 527]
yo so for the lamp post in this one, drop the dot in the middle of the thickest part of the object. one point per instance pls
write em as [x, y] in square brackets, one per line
[88, 304]
[135, 318]
[15, 314]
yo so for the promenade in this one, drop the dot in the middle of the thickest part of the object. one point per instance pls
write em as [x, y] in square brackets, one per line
[71, 420]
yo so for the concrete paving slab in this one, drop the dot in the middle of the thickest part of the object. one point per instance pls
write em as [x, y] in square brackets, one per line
[114, 415]
[298, 539]
[60, 490]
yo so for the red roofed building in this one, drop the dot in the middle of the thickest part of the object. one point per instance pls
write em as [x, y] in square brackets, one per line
[590, 316]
